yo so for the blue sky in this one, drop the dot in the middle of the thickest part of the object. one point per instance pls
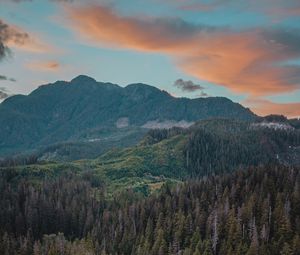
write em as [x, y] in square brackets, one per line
[226, 48]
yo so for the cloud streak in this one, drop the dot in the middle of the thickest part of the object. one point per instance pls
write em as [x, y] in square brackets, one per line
[252, 62]
[274, 9]
[5, 78]
[200, 6]
[13, 37]
[46, 66]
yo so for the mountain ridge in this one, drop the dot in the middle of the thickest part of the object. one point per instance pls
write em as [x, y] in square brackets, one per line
[65, 111]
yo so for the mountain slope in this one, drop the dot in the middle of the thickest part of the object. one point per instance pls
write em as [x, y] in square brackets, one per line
[76, 110]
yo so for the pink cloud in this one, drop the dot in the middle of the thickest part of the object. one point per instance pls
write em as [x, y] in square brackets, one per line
[248, 62]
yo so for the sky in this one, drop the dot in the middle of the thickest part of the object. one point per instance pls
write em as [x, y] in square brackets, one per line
[248, 51]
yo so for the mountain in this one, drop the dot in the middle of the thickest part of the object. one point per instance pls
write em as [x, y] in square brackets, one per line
[82, 110]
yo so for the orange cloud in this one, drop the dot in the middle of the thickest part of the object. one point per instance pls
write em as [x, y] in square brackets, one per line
[47, 66]
[264, 107]
[102, 26]
[244, 62]
[249, 62]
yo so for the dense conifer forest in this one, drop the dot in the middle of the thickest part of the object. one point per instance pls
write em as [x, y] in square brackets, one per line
[220, 187]
[253, 211]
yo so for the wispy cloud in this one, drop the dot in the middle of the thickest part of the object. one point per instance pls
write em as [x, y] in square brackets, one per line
[252, 62]
[199, 6]
[187, 86]
[13, 37]
[274, 9]
[46, 66]
[10, 35]
[5, 78]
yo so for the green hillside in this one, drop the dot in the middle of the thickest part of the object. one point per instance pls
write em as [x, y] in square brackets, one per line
[209, 147]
